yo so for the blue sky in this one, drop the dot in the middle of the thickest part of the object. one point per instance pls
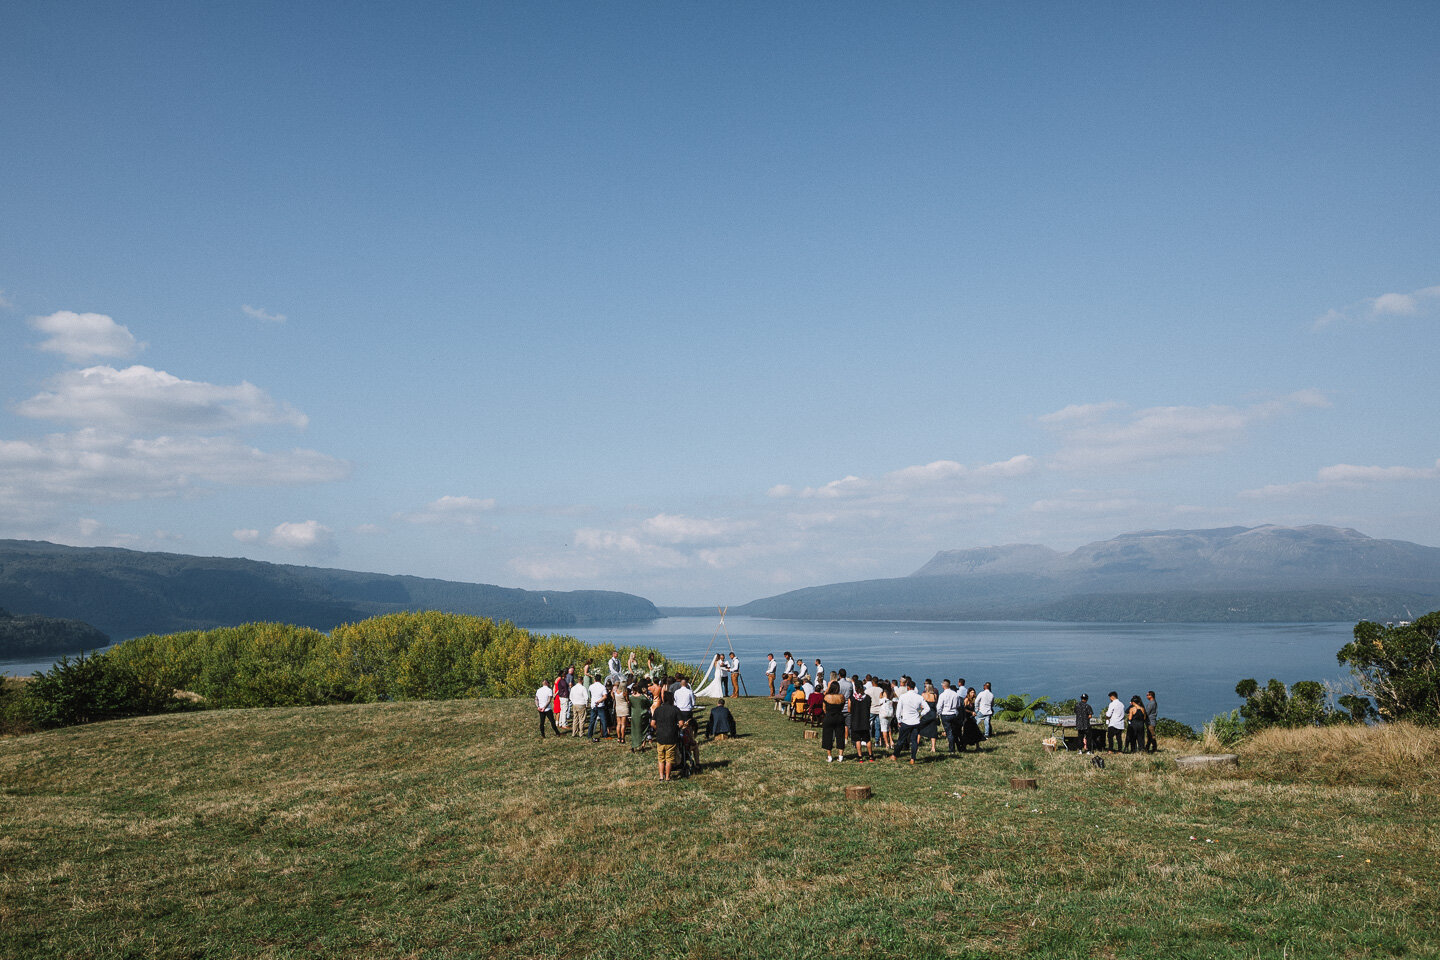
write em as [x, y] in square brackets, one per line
[706, 302]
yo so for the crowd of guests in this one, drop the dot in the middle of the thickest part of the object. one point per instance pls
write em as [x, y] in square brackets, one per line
[1127, 728]
[897, 716]
[639, 708]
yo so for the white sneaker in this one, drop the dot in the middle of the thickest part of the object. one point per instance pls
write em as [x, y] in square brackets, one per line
[842, 759]
[829, 759]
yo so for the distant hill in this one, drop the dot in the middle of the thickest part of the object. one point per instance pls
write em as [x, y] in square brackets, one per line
[1240, 574]
[127, 592]
[32, 636]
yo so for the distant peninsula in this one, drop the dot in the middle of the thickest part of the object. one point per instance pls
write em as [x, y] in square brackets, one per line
[39, 637]
[1230, 574]
[126, 593]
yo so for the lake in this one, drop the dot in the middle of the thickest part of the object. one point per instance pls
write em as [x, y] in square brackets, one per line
[1192, 667]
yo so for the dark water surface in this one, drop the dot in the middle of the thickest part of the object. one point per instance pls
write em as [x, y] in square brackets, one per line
[1192, 667]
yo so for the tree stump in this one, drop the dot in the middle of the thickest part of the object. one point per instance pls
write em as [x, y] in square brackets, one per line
[1205, 761]
[812, 734]
[1024, 783]
[857, 793]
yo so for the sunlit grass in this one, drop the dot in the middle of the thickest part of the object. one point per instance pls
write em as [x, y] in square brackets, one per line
[447, 829]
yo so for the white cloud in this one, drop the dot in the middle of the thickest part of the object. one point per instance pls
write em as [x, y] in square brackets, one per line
[942, 479]
[1424, 302]
[263, 315]
[305, 536]
[467, 511]
[1080, 412]
[1342, 476]
[83, 336]
[142, 399]
[677, 528]
[99, 466]
[1158, 434]
[246, 536]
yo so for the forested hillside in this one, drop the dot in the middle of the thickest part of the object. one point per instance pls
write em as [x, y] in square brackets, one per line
[127, 592]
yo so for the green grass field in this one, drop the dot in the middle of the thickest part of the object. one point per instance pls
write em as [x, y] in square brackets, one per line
[448, 829]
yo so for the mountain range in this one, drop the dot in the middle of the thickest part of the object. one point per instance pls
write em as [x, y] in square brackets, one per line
[127, 592]
[1240, 574]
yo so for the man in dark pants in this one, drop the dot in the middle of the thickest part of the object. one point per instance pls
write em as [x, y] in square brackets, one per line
[545, 703]
[1083, 713]
[1115, 724]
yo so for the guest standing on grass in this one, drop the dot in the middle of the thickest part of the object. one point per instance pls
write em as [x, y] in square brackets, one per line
[770, 668]
[639, 717]
[1152, 716]
[665, 723]
[562, 700]
[860, 723]
[970, 735]
[599, 694]
[1083, 713]
[579, 708]
[621, 696]
[833, 726]
[909, 710]
[985, 709]
[1135, 725]
[1114, 723]
[684, 700]
[949, 708]
[545, 703]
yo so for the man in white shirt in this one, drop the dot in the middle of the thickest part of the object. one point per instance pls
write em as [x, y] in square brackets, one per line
[685, 700]
[961, 689]
[948, 706]
[789, 663]
[598, 693]
[722, 672]
[579, 708]
[734, 674]
[985, 709]
[808, 687]
[802, 672]
[877, 696]
[545, 703]
[770, 668]
[1114, 723]
[909, 708]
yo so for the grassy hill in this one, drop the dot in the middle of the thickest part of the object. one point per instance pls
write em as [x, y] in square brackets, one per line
[447, 829]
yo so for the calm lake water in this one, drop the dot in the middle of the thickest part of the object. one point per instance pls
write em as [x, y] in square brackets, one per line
[1192, 667]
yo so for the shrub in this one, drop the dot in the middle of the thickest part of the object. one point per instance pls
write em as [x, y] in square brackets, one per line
[1165, 727]
[90, 688]
[1224, 730]
[1019, 707]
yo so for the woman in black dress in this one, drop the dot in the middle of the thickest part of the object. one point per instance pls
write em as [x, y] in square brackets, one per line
[832, 727]
[970, 733]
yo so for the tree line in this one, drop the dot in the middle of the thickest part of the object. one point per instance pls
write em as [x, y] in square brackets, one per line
[398, 656]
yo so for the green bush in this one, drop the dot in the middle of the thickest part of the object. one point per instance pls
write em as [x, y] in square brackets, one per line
[15, 708]
[1165, 727]
[1227, 728]
[90, 688]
